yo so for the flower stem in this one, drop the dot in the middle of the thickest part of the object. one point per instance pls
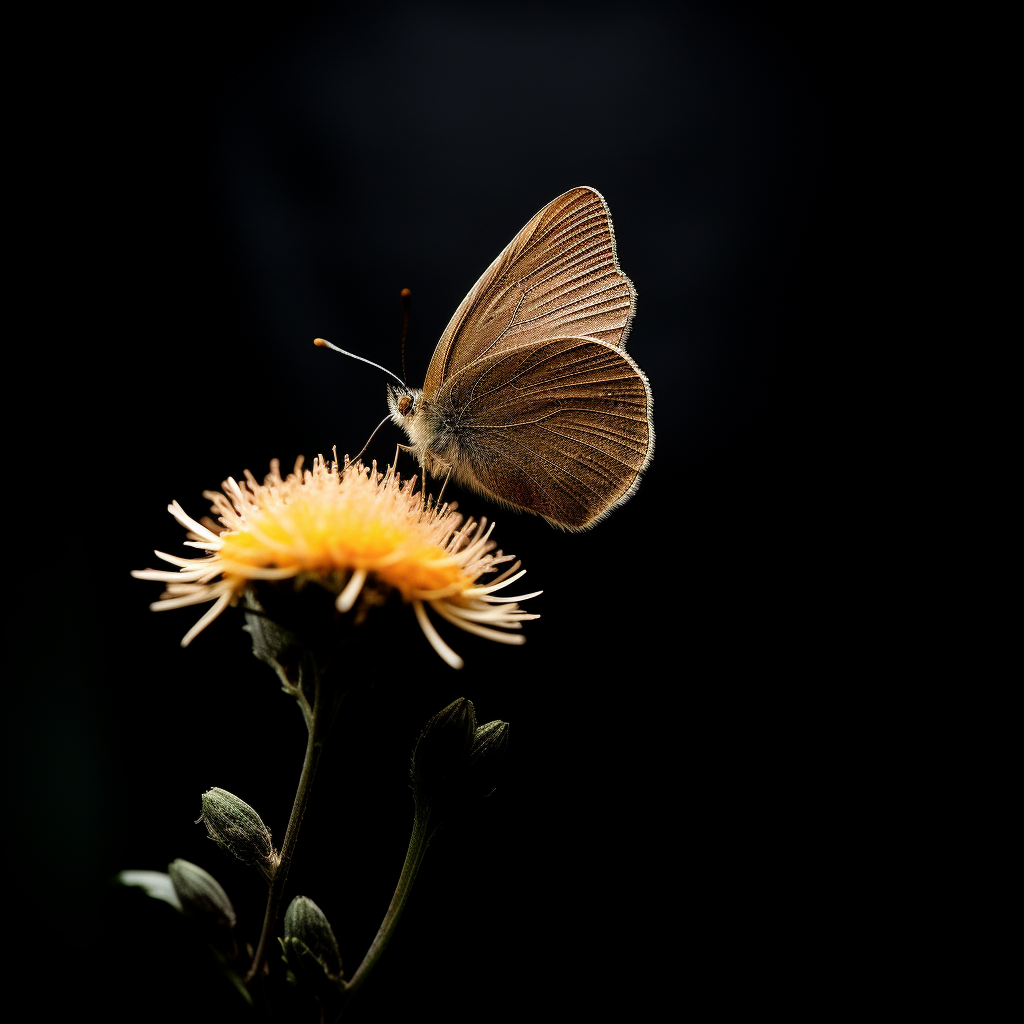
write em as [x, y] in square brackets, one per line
[318, 724]
[418, 842]
[276, 892]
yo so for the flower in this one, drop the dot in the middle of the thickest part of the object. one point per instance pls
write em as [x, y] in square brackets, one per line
[342, 526]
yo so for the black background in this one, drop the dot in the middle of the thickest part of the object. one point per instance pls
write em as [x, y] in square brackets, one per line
[235, 185]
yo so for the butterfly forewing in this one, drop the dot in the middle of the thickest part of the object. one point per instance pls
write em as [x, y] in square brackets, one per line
[558, 277]
[559, 427]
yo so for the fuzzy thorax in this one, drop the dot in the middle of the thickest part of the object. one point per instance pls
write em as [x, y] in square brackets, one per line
[430, 438]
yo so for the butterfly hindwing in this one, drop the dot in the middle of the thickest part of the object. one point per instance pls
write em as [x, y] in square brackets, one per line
[560, 427]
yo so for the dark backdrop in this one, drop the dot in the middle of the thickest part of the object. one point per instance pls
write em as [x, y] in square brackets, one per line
[240, 184]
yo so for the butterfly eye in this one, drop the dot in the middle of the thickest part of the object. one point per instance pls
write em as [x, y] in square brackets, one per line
[404, 404]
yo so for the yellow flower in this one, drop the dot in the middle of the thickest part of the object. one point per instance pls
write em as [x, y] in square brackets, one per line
[344, 526]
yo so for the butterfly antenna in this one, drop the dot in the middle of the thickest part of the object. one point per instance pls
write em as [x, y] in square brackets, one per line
[370, 438]
[406, 309]
[320, 343]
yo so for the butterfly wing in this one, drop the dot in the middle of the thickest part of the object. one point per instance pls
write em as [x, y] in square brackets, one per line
[558, 277]
[560, 427]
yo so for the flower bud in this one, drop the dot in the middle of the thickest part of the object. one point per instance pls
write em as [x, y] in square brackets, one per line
[442, 751]
[486, 758]
[200, 894]
[234, 826]
[310, 948]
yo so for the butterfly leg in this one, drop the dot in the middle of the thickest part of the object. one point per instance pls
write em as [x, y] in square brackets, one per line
[392, 469]
[437, 504]
[399, 448]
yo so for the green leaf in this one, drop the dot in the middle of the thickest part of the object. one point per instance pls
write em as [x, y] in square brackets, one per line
[156, 884]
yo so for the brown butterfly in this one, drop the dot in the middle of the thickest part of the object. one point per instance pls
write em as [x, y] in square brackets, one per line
[530, 397]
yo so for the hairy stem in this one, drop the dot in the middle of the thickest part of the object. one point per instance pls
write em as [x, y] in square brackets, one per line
[276, 892]
[318, 724]
[413, 858]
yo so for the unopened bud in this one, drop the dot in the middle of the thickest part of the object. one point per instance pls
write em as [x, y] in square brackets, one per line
[234, 826]
[201, 894]
[310, 948]
[442, 751]
[486, 757]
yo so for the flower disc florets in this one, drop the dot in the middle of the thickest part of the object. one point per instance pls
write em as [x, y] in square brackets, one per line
[342, 526]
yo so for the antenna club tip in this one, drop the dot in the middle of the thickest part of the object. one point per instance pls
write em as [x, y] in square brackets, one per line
[320, 343]
[406, 293]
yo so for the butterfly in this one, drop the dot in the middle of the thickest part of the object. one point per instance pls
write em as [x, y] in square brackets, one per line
[530, 397]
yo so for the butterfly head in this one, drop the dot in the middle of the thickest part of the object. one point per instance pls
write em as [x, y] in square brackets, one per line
[410, 412]
[405, 403]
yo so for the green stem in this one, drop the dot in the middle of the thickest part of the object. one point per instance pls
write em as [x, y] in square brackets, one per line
[318, 724]
[276, 892]
[413, 858]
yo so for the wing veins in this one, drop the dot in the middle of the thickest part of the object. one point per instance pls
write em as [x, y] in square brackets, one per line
[580, 462]
[590, 225]
[552, 474]
[576, 440]
[568, 259]
[540, 389]
[570, 371]
[555, 469]
[579, 308]
[540, 420]
[508, 327]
